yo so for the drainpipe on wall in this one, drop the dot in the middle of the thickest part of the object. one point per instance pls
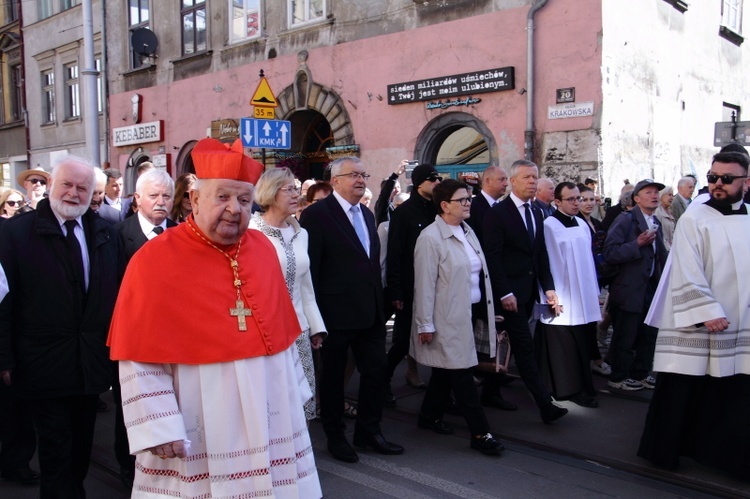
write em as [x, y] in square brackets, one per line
[88, 77]
[528, 140]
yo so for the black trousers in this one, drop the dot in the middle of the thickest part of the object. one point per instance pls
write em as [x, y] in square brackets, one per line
[461, 381]
[631, 352]
[401, 337]
[16, 432]
[522, 349]
[368, 346]
[65, 426]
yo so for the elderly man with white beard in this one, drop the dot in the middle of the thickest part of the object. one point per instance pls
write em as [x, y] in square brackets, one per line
[63, 267]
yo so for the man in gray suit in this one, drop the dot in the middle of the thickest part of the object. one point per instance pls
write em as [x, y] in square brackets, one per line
[685, 188]
[635, 243]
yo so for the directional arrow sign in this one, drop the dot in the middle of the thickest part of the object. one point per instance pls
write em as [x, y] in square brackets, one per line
[271, 134]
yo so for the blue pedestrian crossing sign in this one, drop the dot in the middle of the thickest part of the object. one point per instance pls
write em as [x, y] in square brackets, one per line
[272, 134]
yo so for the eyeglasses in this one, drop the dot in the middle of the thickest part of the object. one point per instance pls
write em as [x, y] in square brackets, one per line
[462, 201]
[355, 175]
[725, 179]
[38, 181]
[573, 199]
[289, 189]
[14, 203]
[434, 178]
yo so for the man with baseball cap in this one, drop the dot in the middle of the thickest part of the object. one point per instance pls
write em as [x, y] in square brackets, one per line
[34, 183]
[407, 222]
[635, 243]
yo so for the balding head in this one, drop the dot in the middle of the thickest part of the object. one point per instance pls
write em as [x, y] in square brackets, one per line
[495, 182]
[545, 191]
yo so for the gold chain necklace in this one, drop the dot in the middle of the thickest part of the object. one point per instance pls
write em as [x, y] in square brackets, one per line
[239, 310]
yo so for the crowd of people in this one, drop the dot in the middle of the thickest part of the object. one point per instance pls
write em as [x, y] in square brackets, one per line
[290, 287]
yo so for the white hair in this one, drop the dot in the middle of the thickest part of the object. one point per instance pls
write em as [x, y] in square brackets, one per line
[338, 164]
[154, 177]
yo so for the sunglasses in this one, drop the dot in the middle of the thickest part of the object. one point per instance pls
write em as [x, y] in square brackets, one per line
[725, 179]
[186, 195]
[38, 181]
[14, 203]
[434, 178]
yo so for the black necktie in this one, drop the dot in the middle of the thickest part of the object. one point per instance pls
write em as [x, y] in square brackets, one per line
[529, 223]
[158, 229]
[75, 252]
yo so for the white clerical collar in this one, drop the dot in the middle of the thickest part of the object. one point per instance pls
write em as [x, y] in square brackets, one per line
[148, 228]
[489, 198]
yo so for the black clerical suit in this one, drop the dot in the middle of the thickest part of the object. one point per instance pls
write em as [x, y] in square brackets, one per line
[518, 265]
[53, 334]
[349, 294]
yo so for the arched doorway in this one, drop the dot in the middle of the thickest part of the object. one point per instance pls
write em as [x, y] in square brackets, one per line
[311, 135]
[458, 144]
[184, 162]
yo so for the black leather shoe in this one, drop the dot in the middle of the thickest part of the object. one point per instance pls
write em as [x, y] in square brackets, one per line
[486, 444]
[498, 403]
[584, 400]
[341, 450]
[378, 443]
[551, 413]
[24, 476]
[436, 425]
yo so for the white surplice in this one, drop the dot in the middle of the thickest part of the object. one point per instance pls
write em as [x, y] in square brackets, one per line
[572, 266]
[707, 280]
[244, 422]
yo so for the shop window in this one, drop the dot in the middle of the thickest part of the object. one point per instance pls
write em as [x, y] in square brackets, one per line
[72, 92]
[306, 11]
[138, 17]
[244, 23]
[193, 26]
[48, 97]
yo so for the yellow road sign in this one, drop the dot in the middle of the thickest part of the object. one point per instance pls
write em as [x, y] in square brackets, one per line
[263, 96]
[265, 113]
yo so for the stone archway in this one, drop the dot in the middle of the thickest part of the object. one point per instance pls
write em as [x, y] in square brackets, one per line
[323, 100]
[433, 134]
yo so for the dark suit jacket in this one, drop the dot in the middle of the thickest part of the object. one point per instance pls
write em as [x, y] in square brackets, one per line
[124, 206]
[479, 207]
[545, 209]
[53, 335]
[132, 236]
[110, 214]
[628, 289]
[516, 265]
[347, 282]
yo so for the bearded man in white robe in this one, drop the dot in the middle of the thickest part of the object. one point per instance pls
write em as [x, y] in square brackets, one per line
[701, 405]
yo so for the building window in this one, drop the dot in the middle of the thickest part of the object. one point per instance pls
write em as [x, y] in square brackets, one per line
[16, 100]
[137, 18]
[193, 26]
[48, 97]
[68, 4]
[10, 8]
[245, 20]
[99, 85]
[305, 11]
[731, 15]
[72, 92]
[44, 7]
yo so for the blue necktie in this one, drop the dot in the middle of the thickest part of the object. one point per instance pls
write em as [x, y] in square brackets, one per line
[358, 228]
[529, 223]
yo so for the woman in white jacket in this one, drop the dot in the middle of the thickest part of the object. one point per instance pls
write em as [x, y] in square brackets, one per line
[277, 195]
[452, 304]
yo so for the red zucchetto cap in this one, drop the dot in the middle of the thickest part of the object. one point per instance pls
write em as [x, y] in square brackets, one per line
[214, 159]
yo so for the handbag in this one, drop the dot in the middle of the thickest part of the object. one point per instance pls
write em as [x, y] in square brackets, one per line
[502, 359]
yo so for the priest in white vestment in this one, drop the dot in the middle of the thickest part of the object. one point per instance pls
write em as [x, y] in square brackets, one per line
[563, 338]
[701, 406]
[204, 332]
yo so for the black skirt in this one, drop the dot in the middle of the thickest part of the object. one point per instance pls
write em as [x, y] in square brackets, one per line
[701, 417]
[564, 359]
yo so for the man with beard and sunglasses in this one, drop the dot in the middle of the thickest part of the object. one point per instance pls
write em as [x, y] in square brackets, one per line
[701, 403]
[63, 268]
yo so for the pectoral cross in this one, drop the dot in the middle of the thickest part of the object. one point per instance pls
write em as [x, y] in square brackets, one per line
[240, 312]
